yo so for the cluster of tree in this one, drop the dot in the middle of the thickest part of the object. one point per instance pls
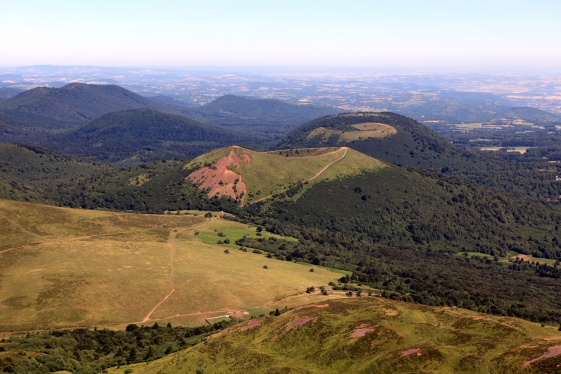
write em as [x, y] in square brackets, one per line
[409, 234]
[92, 351]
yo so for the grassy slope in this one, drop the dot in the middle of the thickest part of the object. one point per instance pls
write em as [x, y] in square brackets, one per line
[454, 340]
[69, 267]
[271, 173]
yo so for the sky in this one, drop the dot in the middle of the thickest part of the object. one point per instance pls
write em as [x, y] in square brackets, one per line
[303, 33]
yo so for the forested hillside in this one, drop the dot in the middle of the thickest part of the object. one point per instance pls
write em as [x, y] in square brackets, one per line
[71, 105]
[141, 135]
[264, 116]
[426, 238]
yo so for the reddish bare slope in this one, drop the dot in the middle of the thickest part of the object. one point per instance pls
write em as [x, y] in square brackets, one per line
[222, 181]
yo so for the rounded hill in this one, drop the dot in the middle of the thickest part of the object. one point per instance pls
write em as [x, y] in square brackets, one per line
[146, 134]
[386, 136]
[249, 176]
[72, 105]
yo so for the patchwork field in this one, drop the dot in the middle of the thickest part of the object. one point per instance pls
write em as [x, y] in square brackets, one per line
[64, 267]
[370, 335]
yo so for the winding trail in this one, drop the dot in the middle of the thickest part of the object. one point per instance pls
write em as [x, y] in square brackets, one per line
[312, 178]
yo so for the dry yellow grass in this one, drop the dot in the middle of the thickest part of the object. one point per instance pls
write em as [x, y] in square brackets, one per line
[64, 267]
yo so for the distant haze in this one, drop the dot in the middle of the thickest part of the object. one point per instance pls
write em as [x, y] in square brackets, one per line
[326, 33]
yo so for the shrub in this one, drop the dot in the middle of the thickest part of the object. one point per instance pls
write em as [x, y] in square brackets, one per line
[226, 251]
[208, 215]
[257, 251]
[226, 241]
[265, 267]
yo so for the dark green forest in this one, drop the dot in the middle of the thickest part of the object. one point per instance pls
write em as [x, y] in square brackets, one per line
[414, 235]
[86, 351]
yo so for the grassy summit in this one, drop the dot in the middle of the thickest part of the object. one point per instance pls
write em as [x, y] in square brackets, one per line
[251, 176]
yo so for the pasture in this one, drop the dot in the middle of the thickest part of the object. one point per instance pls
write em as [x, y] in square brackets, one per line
[62, 267]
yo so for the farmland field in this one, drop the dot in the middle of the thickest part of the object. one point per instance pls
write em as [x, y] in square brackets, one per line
[63, 267]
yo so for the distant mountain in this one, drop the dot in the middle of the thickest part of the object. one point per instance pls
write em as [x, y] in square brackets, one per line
[144, 134]
[475, 97]
[458, 107]
[71, 105]
[386, 136]
[168, 100]
[8, 92]
[529, 114]
[271, 117]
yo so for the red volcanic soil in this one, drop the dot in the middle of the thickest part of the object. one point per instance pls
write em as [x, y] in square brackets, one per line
[551, 352]
[360, 332]
[251, 324]
[299, 322]
[220, 180]
[411, 351]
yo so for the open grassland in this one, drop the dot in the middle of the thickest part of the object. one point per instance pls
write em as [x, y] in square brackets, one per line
[370, 335]
[266, 174]
[64, 267]
[220, 230]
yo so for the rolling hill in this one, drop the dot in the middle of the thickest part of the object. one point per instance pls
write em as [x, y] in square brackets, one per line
[386, 136]
[249, 176]
[369, 335]
[8, 92]
[141, 135]
[273, 118]
[71, 105]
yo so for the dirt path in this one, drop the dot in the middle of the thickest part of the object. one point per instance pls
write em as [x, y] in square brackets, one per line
[312, 178]
[328, 165]
[171, 244]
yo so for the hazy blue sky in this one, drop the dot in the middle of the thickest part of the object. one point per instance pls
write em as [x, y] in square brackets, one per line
[392, 33]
